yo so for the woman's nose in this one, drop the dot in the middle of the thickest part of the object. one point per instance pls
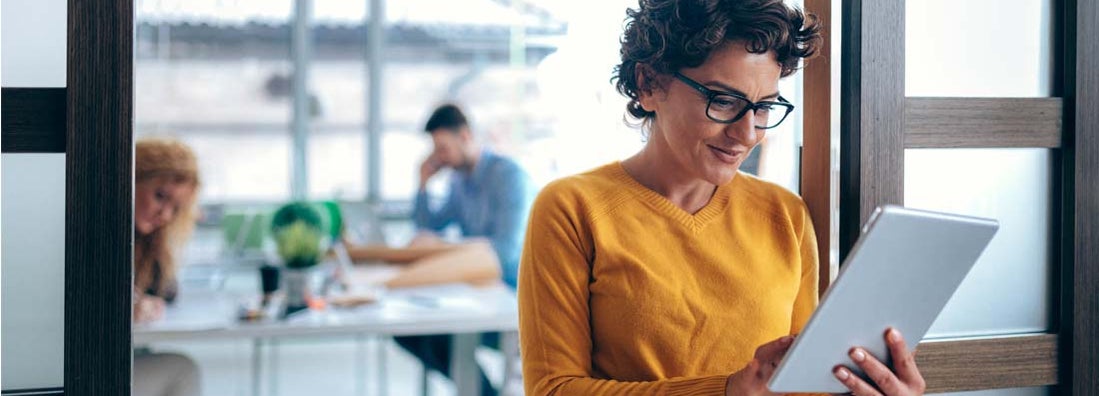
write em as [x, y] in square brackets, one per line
[744, 130]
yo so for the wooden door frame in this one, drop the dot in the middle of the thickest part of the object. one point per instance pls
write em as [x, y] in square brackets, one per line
[91, 122]
[878, 122]
[99, 198]
[98, 138]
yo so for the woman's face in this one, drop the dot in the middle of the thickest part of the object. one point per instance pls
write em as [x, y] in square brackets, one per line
[157, 202]
[699, 147]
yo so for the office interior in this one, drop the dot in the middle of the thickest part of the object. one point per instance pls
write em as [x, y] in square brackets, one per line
[324, 102]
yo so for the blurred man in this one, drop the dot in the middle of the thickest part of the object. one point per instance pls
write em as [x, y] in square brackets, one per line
[490, 197]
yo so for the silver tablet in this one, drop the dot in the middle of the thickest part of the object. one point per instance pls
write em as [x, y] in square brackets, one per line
[900, 274]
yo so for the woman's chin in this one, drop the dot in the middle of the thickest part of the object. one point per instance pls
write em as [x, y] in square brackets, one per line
[143, 229]
[721, 176]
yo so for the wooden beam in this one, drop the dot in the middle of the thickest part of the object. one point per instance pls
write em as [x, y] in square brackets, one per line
[33, 120]
[1081, 253]
[982, 122]
[872, 132]
[99, 203]
[991, 363]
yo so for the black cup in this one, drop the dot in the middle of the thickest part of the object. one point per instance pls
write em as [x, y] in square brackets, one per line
[269, 279]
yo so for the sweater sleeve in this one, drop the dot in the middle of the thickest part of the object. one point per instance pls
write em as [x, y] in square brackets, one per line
[554, 314]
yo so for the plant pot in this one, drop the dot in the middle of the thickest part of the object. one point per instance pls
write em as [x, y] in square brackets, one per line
[296, 284]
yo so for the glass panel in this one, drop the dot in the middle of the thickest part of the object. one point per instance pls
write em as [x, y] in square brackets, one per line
[33, 322]
[34, 41]
[986, 48]
[224, 90]
[337, 164]
[1010, 288]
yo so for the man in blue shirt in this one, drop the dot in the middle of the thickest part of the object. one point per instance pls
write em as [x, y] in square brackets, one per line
[490, 197]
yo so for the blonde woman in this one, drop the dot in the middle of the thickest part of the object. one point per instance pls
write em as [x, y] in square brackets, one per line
[166, 183]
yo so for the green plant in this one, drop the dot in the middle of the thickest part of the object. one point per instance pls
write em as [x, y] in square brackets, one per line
[299, 244]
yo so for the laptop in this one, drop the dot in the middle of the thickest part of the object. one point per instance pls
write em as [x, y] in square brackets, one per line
[901, 272]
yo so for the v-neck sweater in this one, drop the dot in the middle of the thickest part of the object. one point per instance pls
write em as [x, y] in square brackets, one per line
[623, 292]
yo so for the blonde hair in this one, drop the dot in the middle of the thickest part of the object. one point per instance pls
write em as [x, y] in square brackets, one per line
[171, 161]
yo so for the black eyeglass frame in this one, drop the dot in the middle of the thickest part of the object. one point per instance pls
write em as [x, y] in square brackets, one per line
[710, 94]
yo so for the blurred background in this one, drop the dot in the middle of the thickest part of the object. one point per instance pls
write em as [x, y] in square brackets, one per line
[533, 75]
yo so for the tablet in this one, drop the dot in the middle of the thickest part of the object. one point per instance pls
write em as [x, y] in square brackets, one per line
[904, 268]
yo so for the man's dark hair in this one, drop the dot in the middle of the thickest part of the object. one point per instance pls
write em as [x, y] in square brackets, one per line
[448, 117]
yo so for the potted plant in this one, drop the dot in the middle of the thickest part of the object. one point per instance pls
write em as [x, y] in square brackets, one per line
[299, 240]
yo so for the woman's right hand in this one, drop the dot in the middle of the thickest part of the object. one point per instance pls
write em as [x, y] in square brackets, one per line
[148, 308]
[752, 379]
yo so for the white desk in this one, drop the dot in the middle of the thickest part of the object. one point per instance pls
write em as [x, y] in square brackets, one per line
[461, 310]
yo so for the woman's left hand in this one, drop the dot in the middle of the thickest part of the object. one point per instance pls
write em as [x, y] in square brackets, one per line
[905, 380]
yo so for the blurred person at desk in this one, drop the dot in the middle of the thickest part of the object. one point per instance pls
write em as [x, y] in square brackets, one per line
[490, 197]
[166, 184]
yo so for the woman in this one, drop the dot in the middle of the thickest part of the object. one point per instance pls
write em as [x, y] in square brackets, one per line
[166, 183]
[670, 272]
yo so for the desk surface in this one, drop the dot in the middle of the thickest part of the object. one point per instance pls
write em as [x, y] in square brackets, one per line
[443, 309]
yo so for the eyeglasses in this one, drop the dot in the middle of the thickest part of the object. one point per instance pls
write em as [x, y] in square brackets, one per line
[727, 107]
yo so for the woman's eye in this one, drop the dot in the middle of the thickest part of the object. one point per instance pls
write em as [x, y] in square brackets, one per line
[723, 103]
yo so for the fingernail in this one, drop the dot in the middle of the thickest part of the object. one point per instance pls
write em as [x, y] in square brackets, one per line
[858, 355]
[894, 335]
[842, 374]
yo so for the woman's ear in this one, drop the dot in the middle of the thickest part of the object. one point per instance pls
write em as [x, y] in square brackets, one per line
[650, 89]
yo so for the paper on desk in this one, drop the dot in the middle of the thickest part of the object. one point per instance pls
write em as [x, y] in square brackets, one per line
[194, 311]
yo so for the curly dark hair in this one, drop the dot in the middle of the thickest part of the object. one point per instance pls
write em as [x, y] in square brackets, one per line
[664, 36]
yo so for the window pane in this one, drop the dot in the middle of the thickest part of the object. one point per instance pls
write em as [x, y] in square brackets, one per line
[1006, 51]
[1009, 289]
[337, 164]
[209, 74]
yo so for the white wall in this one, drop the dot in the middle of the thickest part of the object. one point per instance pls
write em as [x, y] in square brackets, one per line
[32, 273]
[32, 257]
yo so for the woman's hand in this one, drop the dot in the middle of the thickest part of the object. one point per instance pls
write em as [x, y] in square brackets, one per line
[752, 379]
[148, 308]
[905, 381]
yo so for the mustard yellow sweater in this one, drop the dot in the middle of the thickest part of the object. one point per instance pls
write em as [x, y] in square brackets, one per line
[622, 292]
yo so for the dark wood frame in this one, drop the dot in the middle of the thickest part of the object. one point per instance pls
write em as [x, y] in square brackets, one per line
[872, 169]
[1079, 323]
[33, 120]
[872, 112]
[35, 391]
[99, 195]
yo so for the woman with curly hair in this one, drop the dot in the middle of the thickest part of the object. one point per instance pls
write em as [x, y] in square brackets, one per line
[165, 185]
[671, 272]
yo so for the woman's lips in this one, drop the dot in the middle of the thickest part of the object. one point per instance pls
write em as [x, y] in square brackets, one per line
[729, 156]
